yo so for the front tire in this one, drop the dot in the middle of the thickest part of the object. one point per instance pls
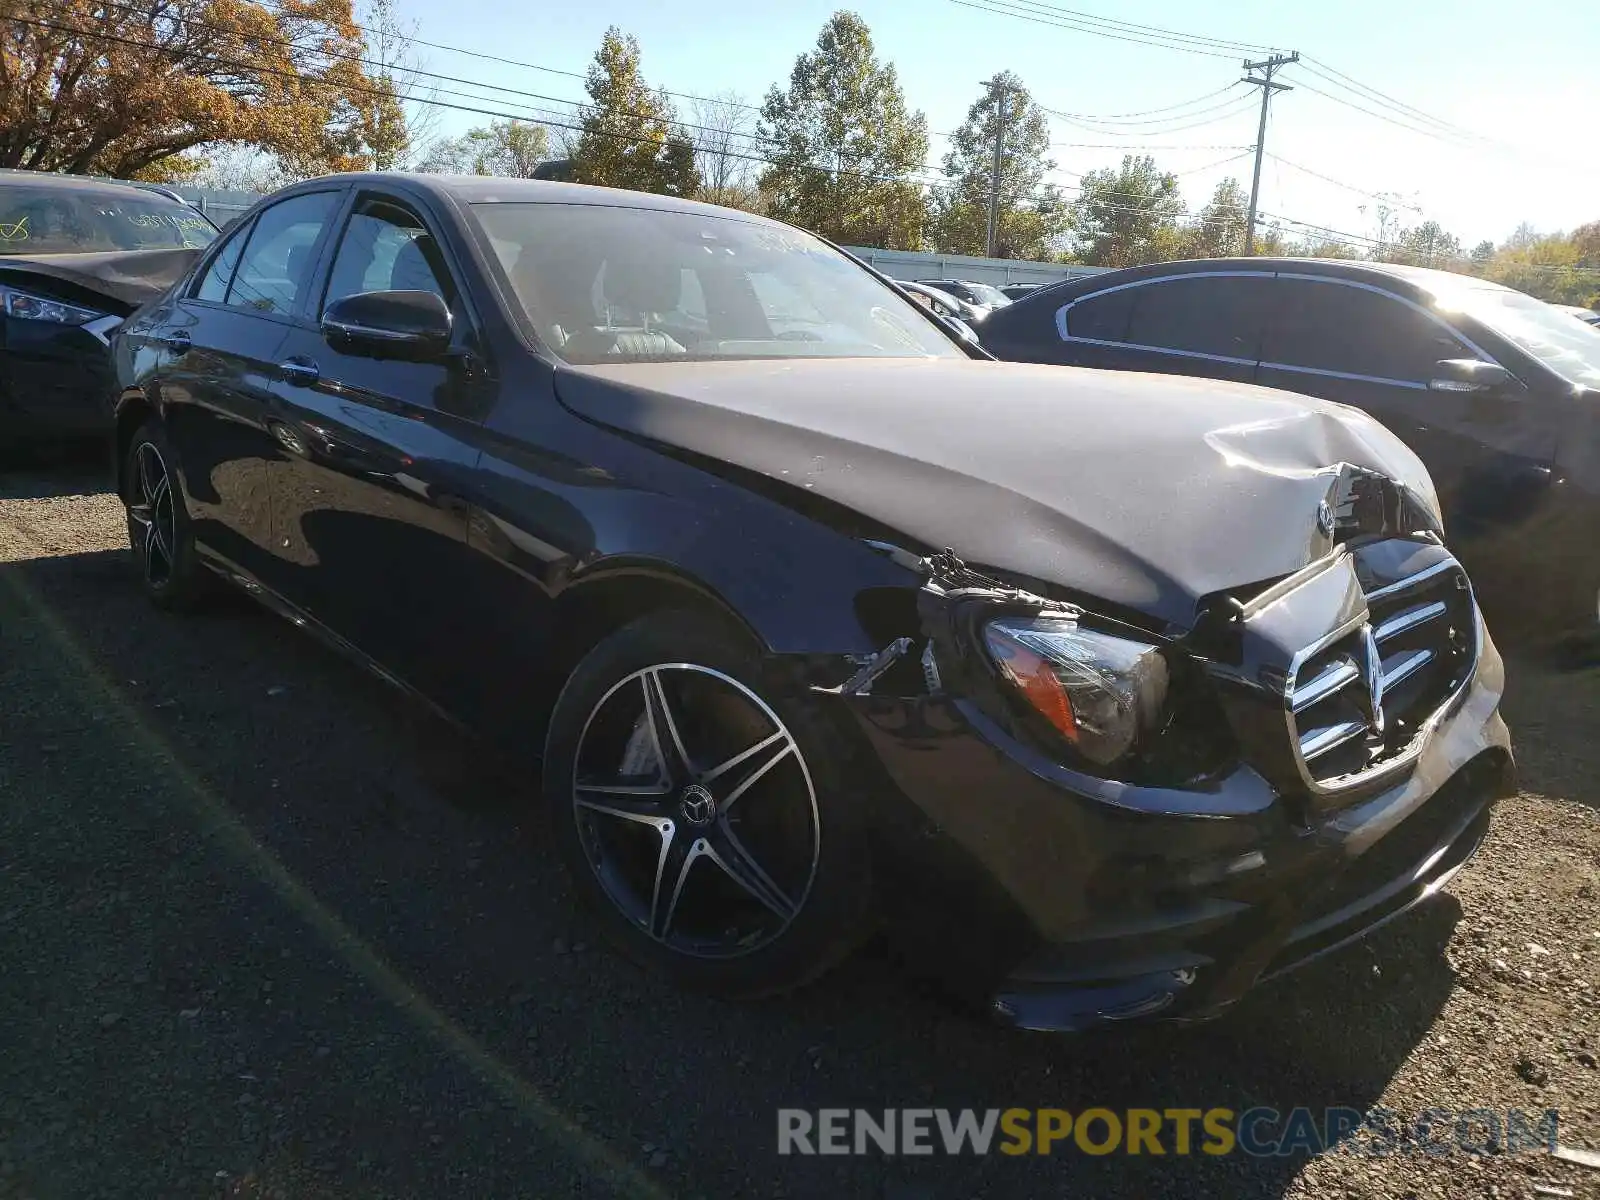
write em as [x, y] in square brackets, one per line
[704, 819]
[159, 528]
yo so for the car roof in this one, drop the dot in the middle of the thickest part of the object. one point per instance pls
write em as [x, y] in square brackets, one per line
[492, 189]
[12, 177]
[1424, 279]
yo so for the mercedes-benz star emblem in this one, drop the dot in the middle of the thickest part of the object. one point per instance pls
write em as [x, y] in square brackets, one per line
[697, 805]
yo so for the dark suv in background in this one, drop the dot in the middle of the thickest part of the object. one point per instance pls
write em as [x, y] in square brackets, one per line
[1494, 390]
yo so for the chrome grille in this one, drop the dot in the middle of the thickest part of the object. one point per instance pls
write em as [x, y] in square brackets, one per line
[1359, 700]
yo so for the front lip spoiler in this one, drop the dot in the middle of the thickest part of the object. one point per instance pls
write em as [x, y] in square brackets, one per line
[1189, 993]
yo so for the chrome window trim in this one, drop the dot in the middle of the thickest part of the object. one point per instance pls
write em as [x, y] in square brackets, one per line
[1063, 331]
[1061, 313]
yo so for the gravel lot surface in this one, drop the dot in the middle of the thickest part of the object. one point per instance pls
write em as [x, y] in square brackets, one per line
[266, 931]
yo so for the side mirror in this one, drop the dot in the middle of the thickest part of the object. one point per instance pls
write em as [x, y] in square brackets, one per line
[1471, 376]
[414, 326]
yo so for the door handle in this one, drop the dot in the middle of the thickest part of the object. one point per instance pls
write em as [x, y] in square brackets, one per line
[179, 341]
[300, 372]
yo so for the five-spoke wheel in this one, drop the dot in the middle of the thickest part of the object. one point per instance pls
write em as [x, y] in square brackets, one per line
[696, 809]
[706, 821]
[152, 526]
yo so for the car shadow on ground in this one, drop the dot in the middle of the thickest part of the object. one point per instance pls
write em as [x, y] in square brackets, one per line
[433, 860]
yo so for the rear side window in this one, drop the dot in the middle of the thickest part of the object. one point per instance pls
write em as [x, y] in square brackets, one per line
[276, 266]
[1104, 317]
[1329, 325]
[1218, 315]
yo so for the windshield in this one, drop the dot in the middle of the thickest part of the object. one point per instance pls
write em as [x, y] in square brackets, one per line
[37, 219]
[1568, 347]
[983, 293]
[604, 284]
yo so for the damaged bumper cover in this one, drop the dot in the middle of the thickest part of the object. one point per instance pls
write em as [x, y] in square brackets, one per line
[1061, 897]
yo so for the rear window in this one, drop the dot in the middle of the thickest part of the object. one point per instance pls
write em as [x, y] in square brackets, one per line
[40, 219]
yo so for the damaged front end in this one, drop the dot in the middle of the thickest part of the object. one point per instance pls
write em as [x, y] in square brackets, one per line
[1091, 819]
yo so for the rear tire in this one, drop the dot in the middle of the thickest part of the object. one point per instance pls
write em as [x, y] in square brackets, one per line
[736, 862]
[170, 571]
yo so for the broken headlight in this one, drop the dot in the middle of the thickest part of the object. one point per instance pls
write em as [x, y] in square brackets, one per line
[25, 306]
[1099, 692]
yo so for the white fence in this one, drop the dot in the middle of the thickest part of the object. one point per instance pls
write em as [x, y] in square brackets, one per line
[917, 264]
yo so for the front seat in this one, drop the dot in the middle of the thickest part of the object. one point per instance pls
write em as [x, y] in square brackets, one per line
[635, 287]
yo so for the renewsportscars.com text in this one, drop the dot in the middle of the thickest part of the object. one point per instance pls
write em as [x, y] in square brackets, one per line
[1259, 1132]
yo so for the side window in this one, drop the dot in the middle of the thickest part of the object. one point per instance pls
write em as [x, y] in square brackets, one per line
[214, 284]
[386, 248]
[1202, 314]
[1331, 326]
[1103, 317]
[275, 268]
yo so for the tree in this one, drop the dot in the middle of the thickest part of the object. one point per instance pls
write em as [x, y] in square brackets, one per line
[843, 146]
[1031, 215]
[1426, 245]
[629, 138]
[1128, 216]
[726, 146]
[510, 149]
[1219, 229]
[120, 89]
[394, 61]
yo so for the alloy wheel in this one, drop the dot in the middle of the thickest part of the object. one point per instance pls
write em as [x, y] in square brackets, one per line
[150, 509]
[696, 810]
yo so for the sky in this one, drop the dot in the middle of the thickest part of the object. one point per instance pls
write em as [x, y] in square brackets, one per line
[1519, 83]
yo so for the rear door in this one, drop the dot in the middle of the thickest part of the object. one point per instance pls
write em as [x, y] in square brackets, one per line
[216, 363]
[1362, 345]
[369, 504]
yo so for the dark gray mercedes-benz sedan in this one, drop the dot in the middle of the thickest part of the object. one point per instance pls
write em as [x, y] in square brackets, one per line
[1112, 693]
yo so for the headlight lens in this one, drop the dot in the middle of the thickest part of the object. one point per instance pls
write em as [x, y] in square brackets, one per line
[27, 307]
[1099, 692]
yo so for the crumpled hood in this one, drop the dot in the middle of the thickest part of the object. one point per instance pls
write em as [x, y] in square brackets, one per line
[1149, 491]
[128, 277]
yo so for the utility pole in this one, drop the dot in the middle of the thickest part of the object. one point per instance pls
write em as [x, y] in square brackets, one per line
[992, 236]
[1267, 86]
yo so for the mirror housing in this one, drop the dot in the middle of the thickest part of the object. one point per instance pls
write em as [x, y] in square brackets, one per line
[414, 326]
[1473, 377]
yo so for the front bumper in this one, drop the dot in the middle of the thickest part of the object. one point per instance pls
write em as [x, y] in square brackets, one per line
[55, 380]
[1062, 903]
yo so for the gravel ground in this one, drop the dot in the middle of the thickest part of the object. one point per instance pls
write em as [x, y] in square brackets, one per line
[266, 931]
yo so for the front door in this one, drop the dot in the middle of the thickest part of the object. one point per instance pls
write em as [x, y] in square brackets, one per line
[370, 502]
[1353, 342]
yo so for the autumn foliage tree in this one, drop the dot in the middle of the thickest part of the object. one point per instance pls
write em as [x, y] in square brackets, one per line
[126, 89]
[843, 145]
[630, 137]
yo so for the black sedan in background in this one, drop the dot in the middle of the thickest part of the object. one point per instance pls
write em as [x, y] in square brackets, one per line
[807, 616]
[1496, 391]
[76, 256]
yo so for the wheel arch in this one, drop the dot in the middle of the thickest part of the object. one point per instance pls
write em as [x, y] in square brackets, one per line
[133, 409]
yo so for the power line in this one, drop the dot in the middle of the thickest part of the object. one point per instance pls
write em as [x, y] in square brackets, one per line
[1116, 118]
[1423, 131]
[996, 8]
[1220, 43]
[1398, 203]
[1329, 73]
[1234, 108]
[1088, 121]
